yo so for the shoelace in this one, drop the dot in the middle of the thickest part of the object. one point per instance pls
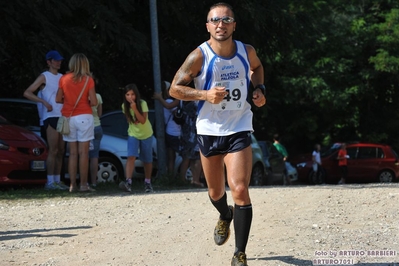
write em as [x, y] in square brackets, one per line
[222, 227]
[241, 257]
[148, 187]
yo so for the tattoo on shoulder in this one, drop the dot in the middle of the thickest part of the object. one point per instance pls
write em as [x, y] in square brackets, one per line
[187, 68]
[186, 74]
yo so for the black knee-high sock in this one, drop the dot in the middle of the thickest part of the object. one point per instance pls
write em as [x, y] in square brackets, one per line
[222, 207]
[242, 225]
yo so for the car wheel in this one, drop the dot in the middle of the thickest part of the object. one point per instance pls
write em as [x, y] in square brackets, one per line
[293, 177]
[258, 175]
[385, 176]
[109, 170]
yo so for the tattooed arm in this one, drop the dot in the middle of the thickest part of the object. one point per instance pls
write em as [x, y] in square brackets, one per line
[179, 88]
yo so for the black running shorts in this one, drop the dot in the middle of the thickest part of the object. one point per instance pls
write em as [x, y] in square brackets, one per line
[51, 121]
[214, 145]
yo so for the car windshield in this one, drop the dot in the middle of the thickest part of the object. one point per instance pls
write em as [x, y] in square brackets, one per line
[394, 152]
[20, 113]
[331, 150]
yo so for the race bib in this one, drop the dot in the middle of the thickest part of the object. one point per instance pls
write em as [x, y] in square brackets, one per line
[237, 94]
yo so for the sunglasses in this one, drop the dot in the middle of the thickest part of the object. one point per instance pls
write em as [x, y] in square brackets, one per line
[225, 20]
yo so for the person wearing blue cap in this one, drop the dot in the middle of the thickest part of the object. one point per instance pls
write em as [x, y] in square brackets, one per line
[52, 111]
[54, 55]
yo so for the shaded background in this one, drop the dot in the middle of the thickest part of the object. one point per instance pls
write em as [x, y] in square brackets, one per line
[331, 67]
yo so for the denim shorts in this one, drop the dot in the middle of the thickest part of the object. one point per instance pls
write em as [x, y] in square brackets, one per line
[94, 149]
[140, 148]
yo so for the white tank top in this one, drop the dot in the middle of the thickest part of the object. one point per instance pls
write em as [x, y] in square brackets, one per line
[172, 128]
[234, 113]
[48, 94]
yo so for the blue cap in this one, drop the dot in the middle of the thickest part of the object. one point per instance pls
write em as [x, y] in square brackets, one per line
[54, 55]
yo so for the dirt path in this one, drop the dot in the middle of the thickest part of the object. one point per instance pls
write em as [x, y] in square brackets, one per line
[295, 225]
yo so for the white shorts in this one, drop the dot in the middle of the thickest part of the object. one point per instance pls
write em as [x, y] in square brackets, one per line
[81, 128]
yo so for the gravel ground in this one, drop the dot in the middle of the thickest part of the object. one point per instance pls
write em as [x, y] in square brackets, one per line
[296, 225]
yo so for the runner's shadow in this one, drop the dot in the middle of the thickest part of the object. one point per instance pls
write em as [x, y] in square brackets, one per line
[19, 234]
[286, 259]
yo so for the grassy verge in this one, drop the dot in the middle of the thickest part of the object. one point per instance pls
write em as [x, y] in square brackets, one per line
[102, 189]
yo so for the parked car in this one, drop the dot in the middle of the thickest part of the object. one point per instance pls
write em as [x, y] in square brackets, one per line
[113, 148]
[367, 162]
[22, 156]
[276, 167]
[258, 165]
[21, 112]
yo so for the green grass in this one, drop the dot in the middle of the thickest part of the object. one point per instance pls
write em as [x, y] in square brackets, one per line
[102, 189]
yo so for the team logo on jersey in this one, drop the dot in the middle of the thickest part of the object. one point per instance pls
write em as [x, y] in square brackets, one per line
[230, 76]
[227, 67]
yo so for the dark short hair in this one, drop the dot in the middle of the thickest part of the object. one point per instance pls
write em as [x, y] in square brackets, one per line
[221, 4]
[276, 137]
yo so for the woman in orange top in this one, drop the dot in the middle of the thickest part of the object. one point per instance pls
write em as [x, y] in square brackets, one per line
[81, 117]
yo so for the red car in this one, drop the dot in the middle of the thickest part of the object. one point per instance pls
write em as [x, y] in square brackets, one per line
[22, 156]
[367, 162]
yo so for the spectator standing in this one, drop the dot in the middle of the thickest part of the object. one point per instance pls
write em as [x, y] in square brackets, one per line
[50, 115]
[281, 149]
[222, 69]
[317, 169]
[81, 123]
[40, 110]
[189, 145]
[343, 163]
[140, 137]
[172, 130]
[94, 148]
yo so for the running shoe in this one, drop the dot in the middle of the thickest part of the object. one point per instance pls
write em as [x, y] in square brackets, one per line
[61, 185]
[52, 186]
[148, 187]
[222, 229]
[239, 259]
[124, 185]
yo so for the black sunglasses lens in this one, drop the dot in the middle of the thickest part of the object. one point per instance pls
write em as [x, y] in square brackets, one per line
[226, 20]
[215, 19]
